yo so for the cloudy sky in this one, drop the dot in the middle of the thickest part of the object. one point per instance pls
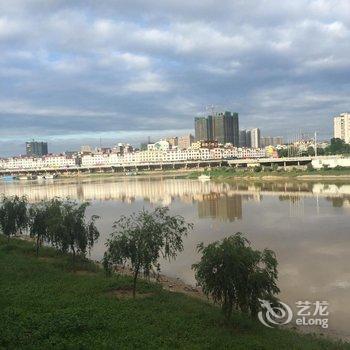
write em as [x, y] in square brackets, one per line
[72, 72]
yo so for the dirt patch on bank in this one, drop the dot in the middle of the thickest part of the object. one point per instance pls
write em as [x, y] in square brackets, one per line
[84, 272]
[46, 258]
[169, 284]
[126, 293]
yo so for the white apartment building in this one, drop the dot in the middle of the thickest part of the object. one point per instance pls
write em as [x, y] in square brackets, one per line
[94, 159]
[342, 127]
[140, 157]
[50, 161]
[255, 138]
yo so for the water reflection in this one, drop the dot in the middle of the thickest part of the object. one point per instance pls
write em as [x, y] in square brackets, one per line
[164, 191]
[220, 206]
[306, 224]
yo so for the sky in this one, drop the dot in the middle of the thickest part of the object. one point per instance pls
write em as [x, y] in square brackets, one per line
[84, 72]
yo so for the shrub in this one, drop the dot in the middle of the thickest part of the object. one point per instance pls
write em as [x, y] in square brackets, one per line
[257, 169]
[309, 167]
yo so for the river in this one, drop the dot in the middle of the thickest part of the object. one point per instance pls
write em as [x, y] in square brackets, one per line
[305, 223]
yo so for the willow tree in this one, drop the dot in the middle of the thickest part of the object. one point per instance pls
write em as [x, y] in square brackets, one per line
[13, 215]
[141, 239]
[39, 219]
[236, 276]
[69, 230]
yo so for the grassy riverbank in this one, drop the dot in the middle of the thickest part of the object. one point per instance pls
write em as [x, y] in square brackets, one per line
[45, 305]
[225, 173]
[265, 174]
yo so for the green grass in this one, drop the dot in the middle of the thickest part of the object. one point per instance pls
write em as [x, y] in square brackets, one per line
[228, 173]
[45, 305]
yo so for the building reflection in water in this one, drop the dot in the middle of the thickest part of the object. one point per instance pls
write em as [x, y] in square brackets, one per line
[215, 200]
[220, 206]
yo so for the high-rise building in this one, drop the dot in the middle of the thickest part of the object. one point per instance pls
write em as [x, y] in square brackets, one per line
[342, 127]
[266, 141]
[185, 142]
[255, 138]
[278, 140]
[223, 127]
[248, 139]
[243, 138]
[226, 128]
[203, 128]
[270, 141]
[38, 149]
[235, 129]
[219, 127]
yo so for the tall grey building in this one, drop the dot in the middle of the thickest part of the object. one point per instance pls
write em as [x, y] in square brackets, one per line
[235, 125]
[219, 128]
[34, 148]
[223, 127]
[248, 139]
[226, 128]
[203, 127]
[271, 141]
[266, 141]
[243, 138]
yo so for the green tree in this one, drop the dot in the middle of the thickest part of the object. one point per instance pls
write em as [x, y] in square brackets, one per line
[54, 223]
[68, 229]
[310, 151]
[141, 239]
[320, 151]
[39, 219]
[237, 276]
[14, 217]
[257, 169]
[22, 217]
[283, 152]
[337, 146]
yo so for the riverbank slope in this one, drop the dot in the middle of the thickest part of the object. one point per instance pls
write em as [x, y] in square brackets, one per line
[46, 305]
[226, 173]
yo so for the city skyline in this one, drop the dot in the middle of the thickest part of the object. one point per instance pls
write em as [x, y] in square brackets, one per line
[232, 136]
[73, 74]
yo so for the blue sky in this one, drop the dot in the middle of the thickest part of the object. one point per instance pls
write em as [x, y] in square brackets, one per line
[72, 72]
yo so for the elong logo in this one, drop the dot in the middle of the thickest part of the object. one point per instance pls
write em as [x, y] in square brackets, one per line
[274, 315]
[281, 314]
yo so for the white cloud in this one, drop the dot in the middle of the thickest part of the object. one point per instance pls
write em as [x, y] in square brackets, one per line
[148, 82]
[9, 28]
[127, 59]
[267, 59]
[26, 108]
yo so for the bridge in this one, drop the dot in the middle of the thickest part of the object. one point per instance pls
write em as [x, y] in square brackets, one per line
[118, 168]
[282, 162]
[170, 165]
